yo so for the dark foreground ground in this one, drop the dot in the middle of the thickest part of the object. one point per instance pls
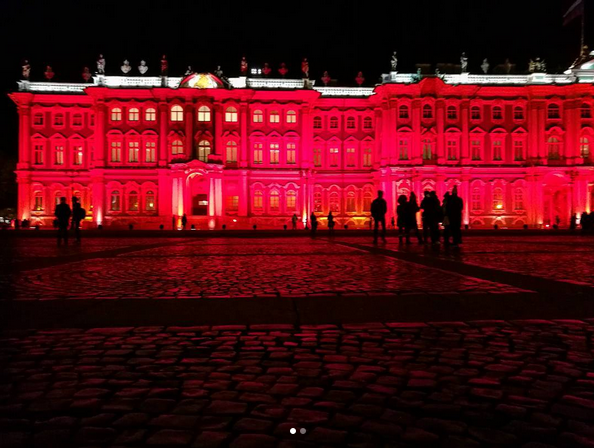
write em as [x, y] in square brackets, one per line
[232, 342]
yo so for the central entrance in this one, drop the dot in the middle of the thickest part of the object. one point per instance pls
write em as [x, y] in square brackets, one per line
[200, 205]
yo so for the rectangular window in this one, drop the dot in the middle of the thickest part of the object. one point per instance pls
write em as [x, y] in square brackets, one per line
[77, 155]
[403, 149]
[475, 149]
[38, 154]
[149, 152]
[59, 120]
[452, 149]
[38, 119]
[232, 203]
[427, 150]
[258, 153]
[291, 153]
[38, 203]
[116, 151]
[59, 151]
[518, 150]
[77, 120]
[317, 157]
[351, 157]
[367, 158]
[274, 153]
[334, 156]
[497, 150]
[133, 152]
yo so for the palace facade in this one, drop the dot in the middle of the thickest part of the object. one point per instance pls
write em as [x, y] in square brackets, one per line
[147, 150]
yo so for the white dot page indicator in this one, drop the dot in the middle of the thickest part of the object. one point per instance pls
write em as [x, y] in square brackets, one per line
[294, 430]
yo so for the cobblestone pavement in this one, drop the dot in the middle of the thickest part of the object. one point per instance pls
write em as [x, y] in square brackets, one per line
[522, 384]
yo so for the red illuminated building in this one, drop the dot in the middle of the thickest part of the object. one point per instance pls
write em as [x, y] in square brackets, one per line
[145, 150]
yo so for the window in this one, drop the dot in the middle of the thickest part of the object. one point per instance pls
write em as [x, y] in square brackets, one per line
[203, 150]
[291, 117]
[585, 147]
[258, 200]
[350, 123]
[291, 153]
[133, 114]
[77, 155]
[231, 152]
[403, 149]
[475, 113]
[38, 204]
[317, 157]
[258, 153]
[334, 202]
[497, 150]
[38, 119]
[518, 113]
[177, 147]
[351, 202]
[452, 113]
[150, 114]
[231, 115]
[403, 112]
[133, 152]
[367, 198]
[77, 120]
[317, 201]
[38, 154]
[176, 113]
[133, 201]
[274, 116]
[427, 149]
[203, 114]
[116, 114]
[476, 149]
[518, 199]
[553, 148]
[427, 111]
[519, 150]
[291, 200]
[116, 151]
[274, 153]
[553, 112]
[59, 155]
[274, 201]
[367, 156]
[115, 203]
[497, 113]
[59, 120]
[351, 157]
[497, 199]
[367, 123]
[333, 157]
[452, 149]
[258, 116]
[149, 201]
[476, 199]
[149, 152]
[57, 196]
[317, 122]
[232, 203]
[333, 122]
[586, 111]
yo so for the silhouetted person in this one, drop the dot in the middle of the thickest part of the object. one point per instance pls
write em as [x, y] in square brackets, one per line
[294, 221]
[446, 219]
[63, 214]
[573, 222]
[584, 221]
[393, 224]
[453, 210]
[379, 208]
[173, 222]
[432, 215]
[313, 221]
[591, 221]
[184, 221]
[17, 224]
[401, 211]
[412, 208]
[78, 214]
[25, 224]
[331, 223]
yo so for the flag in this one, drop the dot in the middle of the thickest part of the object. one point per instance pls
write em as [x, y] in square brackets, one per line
[573, 12]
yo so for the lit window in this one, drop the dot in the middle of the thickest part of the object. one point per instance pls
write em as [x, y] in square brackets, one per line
[274, 153]
[203, 150]
[258, 200]
[497, 150]
[115, 203]
[497, 113]
[133, 114]
[334, 202]
[351, 157]
[351, 202]
[133, 152]
[518, 113]
[586, 111]
[116, 114]
[150, 114]
[367, 123]
[116, 151]
[38, 150]
[553, 148]
[59, 155]
[367, 157]
[317, 201]
[519, 150]
[518, 199]
[585, 147]
[317, 122]
[38, 119]
[38, 204]
[133, 201]
[231, 153]
[59, 120]
[427, 111]
[350, 123]
[317, 157]
[77, 120]
[77, 155]
[232, 203]
[452, 149]
[291, 200]
[452, 113]
[553, 112]
[274, 200]
[177, 147]
[258, 153]
[231, 115]
[258, 116]
[149, 201]
[403, 112]
[497, 199]
[476, 149]
[291, 153]
[367, 198]
[403, 149]
[333, 122]
[476, 199]
[333, 157]
[291, 117]
[176, 113]
[203, 114]
[149, 152]
[274, 116]
[475, 113]
[427, 149]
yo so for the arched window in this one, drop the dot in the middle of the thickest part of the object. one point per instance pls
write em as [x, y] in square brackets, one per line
[203, 150]
[258, 153]
[475, 113]
[367, 156]
[38, 201]
[497, 113]
[367, 198]
[291, 153]
[274, 153]
[427, 111]
[38, 119]
[76, 120]
[585, 147]
[203, 114]
[59, 154]
[59, 119]
[177, 147]
[367, 123]
[274, 201]
[351, 157]
[176, 113]
[518, 113]
[150, 151]
[77, 154]
[231, 115]
[133, 114]
[231, 152]
[317, 157]
[334, 202]
[497, 198]
[518, 199]
[476, 199]
[291, 198]
[133, 151]
[317, 122]
[274, 116]
[115, 201]
[116, 114]
[350, 123]
[258, 202]
[291, 117]
[333, 156]
[333, 122]
[317, 201]
[133, 201]
[403, 112]
[452, 113]
[586, 111]
[553, 112]
[150, 114]
[351, 202]
[149, 201]
[403, 149]
[427, 144]
[258, 116]
[553, 148]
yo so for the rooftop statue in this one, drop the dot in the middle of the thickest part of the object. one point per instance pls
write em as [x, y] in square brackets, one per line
[266, 70]
[485, 66]
[164, 66]
[126, 67]
[243, 67]
[326, 78]
[359, 79]
[536, 66]
[86, 74]
[49, 73]
[188, 71]
[283, 70]
[394, 62]
[101, 65]
[305, 68]
[508, 66]
[218, 72]
[26, 69]
[142, 68]
[464, 63]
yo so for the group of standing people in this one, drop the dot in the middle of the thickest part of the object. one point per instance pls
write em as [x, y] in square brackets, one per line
[66, 216]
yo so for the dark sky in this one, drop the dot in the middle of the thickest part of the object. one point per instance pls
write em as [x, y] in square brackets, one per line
[341, 36]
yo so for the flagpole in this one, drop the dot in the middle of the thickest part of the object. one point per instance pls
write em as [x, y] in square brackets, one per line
[582, 36]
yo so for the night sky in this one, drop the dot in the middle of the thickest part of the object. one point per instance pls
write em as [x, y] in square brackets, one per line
[341, 36]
